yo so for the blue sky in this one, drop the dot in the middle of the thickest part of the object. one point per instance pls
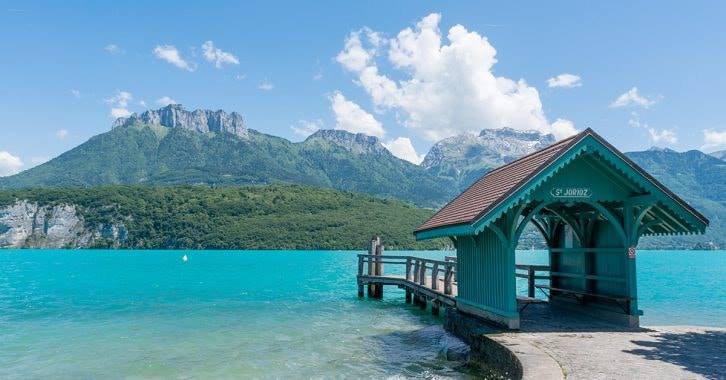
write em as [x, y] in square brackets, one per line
[290, 67]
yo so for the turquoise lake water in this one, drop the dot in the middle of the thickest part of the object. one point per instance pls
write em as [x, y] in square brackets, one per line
[261, 314]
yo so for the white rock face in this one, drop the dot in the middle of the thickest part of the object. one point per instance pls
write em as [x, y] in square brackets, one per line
[28, 225]
[175, 116]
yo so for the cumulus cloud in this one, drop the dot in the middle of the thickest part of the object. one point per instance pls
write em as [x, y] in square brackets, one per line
[664, 136]
[632, 98]
[713, 140]
[351, 117]
[76, 94]
[61, 134]
[402, 148]
[565, 80]
[217, 56]
[447, 87]
[170, 54]
[119, 103]
[306, 128]
[9, 164]
[113, 49]
[266, 86]
[165, 101]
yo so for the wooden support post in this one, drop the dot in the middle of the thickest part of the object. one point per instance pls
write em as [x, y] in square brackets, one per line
[371, 267]
[448, 274]
[379, 267]
[422, 302]
[435, 307]
[422, 275]
[360, 290]
[435, 277]
[408, 268]
[530, 282]
[408, 296]
[416, 270]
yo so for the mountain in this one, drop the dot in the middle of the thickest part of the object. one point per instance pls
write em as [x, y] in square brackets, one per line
[698, 178]
[465, 158]
[175, 116]
[721, 155]
[202, 217]
[171, 146]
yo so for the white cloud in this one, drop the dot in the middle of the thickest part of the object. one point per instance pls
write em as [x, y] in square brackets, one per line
[240, 77]
[61, 134]
[352, 118]
[306, 128]
[664, 136]
[76, 94]
[9, 164]
[318, 76]
[113, 49]
[143, 103]
[403, 149]
[448, 88]
[119, 112]
[562, 128]
[170, 54]
[632, 98]
[165, 101]
[216, 55]
[119, 104]
[713, 140]
[266, 86]
[565, 80]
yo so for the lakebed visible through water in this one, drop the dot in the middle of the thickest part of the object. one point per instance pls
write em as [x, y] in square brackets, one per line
[269, 314]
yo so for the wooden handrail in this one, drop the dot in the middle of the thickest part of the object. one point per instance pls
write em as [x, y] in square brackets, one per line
[416, 269]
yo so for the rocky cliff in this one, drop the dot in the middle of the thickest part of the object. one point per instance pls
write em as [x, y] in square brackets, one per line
[357, 143]
[29, 225]
[465, 158]
[175, 116]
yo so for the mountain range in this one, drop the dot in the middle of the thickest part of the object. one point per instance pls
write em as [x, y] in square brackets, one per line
[173, 146]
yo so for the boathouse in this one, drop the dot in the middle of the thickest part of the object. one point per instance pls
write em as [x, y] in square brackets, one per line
[590, 203]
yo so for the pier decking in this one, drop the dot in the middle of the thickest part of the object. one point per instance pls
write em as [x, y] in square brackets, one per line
[428, 280]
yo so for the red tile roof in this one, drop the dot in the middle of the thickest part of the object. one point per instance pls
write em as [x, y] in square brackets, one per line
[495, 186]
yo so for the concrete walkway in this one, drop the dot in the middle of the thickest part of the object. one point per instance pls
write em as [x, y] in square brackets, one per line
[588, 349]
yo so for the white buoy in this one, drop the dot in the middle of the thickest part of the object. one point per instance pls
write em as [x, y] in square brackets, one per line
[185, 258]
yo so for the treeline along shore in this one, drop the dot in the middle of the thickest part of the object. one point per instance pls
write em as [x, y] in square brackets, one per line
[203, 217]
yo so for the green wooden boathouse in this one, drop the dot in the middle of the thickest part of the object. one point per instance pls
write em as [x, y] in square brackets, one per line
[590, 203]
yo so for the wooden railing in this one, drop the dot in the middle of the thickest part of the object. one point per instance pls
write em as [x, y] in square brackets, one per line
[416, 269]
[530, 273]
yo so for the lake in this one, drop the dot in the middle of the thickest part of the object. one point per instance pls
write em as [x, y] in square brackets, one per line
[269, 314]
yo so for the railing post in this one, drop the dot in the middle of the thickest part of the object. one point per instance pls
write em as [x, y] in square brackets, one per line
[435, 276]
[408, 268]
[416, 271]
[422, 275]
[379, 267]
[530, 282]
[447, 279]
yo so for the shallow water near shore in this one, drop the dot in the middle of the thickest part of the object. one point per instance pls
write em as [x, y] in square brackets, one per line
[269, 314]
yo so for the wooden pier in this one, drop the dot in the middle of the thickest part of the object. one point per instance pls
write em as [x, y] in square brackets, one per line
[427, 280]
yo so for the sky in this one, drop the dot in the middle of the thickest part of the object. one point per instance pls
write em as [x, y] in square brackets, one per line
[641, 74]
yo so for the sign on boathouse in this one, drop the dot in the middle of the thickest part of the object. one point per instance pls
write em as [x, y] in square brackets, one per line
[571, 192]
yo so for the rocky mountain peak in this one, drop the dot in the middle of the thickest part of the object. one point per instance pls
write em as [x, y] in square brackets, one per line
[492, 147]
[175, 116]
[354, 142]
[659, 149]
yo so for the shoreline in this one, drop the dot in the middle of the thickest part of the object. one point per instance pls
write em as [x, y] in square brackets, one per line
[548, 350]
